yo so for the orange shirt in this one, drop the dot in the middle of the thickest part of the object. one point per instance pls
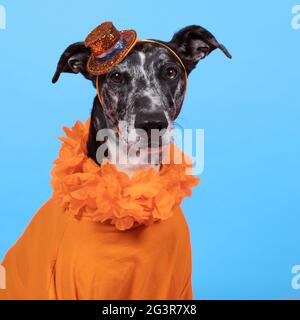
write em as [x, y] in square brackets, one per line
[61, 257]
[104, 235]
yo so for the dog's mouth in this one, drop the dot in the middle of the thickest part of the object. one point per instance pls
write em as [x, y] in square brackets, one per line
[152, 142]
[149, 149]
[134, 146]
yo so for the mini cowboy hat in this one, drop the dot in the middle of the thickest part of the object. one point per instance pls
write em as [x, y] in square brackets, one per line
[108, 47]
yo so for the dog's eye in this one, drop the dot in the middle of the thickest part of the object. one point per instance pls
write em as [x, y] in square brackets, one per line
[170, 73]
[116, 77]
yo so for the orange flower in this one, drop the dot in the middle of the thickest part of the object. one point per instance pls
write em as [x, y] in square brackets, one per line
[102, 193]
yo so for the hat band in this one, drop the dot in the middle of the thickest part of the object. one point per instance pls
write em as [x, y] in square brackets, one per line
[118, 47]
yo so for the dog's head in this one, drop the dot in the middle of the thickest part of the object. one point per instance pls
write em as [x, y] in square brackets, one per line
[146, 90]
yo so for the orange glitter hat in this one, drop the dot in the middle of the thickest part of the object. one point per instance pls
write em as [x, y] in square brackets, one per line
[108, 47]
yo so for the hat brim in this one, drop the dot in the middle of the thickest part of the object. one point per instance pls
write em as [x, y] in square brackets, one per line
[97, 67]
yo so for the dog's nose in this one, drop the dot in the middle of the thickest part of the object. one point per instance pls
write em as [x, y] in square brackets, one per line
[149, 121]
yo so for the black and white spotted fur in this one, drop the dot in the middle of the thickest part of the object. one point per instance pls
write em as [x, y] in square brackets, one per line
[144, 95]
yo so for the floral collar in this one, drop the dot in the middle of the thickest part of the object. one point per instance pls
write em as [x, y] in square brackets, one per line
[102, 193]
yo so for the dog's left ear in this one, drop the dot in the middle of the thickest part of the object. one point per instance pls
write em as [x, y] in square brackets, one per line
[194, 43]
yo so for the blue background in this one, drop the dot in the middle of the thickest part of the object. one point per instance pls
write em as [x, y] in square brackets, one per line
[244, 216]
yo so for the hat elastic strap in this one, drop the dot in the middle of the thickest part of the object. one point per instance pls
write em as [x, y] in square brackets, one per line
[101, 98]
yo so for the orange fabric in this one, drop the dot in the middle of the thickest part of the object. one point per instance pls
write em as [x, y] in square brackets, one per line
[60, 257]
[131, 241]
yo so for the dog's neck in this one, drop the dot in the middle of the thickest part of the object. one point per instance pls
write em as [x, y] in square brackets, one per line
[100, 121]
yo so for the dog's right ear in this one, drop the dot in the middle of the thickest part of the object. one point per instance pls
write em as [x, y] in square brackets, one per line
[74, 60]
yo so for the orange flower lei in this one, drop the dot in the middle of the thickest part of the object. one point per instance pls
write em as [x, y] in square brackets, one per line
[102, 193]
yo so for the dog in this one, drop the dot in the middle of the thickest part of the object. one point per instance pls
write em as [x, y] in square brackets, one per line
[70, 250]
[146, 90]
